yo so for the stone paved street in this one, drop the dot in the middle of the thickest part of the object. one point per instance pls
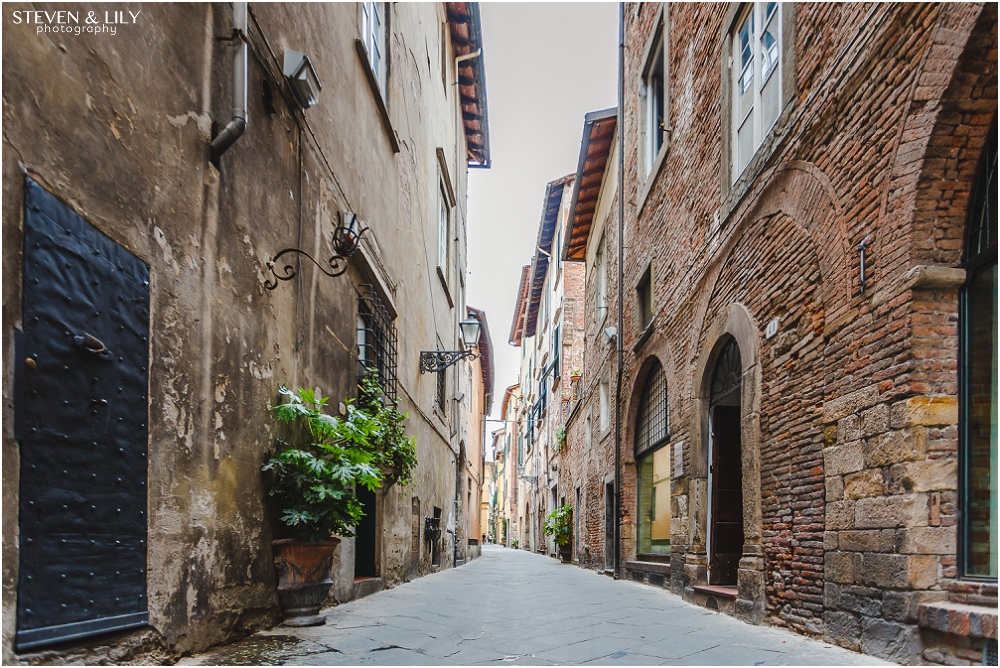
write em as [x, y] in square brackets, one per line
[512, 607]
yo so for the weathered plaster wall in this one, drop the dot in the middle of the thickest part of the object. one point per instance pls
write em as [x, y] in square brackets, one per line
[118, 128]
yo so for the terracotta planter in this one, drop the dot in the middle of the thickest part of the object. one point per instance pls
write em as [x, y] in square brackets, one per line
[303, 579]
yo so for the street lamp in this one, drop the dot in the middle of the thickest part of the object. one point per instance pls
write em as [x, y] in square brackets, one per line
[432, 361]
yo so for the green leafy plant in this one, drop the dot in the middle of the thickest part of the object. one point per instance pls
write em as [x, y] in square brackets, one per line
[561, 436]
[314, 480]
[559, 524]
[392, 450]
[514, 544]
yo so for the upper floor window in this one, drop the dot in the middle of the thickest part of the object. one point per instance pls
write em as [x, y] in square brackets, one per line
[756, 73]
[373, 37]
[644, 294]
[654, 100]
[600, 284]
[444, 226]
[605, 404]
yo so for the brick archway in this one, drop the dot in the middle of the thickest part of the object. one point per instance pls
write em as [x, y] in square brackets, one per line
[736, 323]
[941, 139]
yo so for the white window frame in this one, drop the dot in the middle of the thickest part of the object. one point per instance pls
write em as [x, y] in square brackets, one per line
[657, 56]
[373, 36]
[756, 14]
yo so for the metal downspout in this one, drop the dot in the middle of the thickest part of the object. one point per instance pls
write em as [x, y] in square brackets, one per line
[621, 271]
[234, 130]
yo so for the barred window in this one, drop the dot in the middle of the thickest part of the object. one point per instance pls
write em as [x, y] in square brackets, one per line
[440, 392]
[376, 340]
[652, 423]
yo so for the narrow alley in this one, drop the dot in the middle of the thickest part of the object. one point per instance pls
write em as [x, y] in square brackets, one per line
[513, 607]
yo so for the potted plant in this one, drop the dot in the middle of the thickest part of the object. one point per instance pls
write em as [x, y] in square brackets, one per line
[559, 525]
[314, 480]
[561, 436]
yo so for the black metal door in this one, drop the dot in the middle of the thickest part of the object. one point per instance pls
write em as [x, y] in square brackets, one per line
[80, 417]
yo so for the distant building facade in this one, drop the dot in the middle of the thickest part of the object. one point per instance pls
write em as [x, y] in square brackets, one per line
[808, 389]
[547, 326]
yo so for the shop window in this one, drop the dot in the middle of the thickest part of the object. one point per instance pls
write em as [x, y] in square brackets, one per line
[978, 388]
[653, 463]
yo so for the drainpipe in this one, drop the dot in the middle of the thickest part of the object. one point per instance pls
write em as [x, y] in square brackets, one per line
[234, 130]
[621, 280]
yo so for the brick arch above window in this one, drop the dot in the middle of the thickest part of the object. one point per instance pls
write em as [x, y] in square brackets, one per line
[802, 192]
[913, 215]
[656, 354]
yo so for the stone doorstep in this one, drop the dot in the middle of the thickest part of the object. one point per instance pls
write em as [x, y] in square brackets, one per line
[366, 586]
[714, 590]
[959, 618]
[648, 567]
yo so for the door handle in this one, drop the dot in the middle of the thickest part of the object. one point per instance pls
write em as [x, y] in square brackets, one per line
[93, 345]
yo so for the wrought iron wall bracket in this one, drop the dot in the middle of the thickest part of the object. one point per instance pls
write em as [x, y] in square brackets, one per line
[432, 361]
[337, 266]
[346, 237]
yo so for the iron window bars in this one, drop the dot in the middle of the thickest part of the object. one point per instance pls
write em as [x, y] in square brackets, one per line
[652, 426]
[376, 341]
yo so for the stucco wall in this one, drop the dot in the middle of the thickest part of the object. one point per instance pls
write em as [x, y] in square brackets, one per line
[118, 128]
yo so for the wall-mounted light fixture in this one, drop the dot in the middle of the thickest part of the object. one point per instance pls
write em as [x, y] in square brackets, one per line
[432, 361]
[346, 237]
[305, 84]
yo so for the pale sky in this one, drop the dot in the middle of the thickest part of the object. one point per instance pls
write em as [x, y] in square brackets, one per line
[547, 64]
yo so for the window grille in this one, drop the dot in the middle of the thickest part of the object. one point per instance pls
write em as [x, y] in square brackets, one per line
[376, 341]
[440, 391]
[728, 374]
[652, 424]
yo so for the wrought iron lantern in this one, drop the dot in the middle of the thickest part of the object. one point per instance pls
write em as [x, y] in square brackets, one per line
[432, 361]
[346, 237]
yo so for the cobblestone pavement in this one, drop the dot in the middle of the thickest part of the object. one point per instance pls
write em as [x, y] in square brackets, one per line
[512, 607]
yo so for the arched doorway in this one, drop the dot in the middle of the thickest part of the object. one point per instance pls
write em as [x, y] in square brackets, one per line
[725, 473]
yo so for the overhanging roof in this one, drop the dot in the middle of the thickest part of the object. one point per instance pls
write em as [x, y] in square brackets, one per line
[507, 395]
[486, 357]
[467, 38]
[517, 325]
[543, 248]
[595, 149]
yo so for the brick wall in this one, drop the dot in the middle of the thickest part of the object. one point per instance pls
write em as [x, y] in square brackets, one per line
[850, 409]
